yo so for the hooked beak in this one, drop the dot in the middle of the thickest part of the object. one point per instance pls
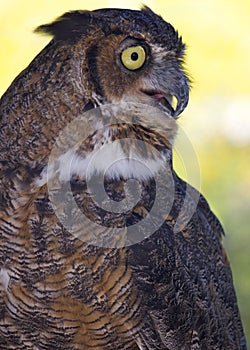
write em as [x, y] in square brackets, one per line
[177, 90]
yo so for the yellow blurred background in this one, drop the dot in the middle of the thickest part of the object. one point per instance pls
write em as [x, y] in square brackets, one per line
[217, 120]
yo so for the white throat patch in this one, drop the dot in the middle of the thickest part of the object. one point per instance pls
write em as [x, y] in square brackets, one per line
[91, 144]
[108, 160]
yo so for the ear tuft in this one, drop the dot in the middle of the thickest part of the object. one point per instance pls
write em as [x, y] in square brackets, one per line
[145, 8]
[69, 26]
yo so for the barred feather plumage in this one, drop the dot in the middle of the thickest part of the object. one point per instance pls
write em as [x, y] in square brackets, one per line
[106, 286]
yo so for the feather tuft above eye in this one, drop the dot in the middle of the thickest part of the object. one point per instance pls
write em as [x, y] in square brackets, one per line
[68, 26]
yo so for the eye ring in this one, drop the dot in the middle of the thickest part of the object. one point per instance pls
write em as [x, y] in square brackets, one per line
[133, 57]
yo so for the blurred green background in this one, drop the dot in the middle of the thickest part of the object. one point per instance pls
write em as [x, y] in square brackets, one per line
[217, 120]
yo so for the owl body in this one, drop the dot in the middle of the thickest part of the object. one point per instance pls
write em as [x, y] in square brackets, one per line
[86, 267]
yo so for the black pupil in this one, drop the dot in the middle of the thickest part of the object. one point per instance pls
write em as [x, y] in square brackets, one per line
[134, 56]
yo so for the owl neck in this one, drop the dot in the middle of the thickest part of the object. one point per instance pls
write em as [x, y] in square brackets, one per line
[117, 151]
[112, 162]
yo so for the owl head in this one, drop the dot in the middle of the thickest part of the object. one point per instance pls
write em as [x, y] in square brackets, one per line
[97, 59]
[132, 56]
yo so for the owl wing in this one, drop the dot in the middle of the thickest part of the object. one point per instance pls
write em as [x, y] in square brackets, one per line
[186, 282]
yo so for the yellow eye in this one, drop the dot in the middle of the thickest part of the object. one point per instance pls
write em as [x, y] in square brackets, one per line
[133, 57]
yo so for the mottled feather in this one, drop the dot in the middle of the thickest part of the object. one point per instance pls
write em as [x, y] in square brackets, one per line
[172, 289]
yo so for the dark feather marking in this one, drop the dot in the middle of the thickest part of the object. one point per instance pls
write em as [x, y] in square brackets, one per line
[92, 55]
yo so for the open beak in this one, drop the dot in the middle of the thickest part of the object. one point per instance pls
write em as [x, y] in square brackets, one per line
[165, 102]
[173, 99]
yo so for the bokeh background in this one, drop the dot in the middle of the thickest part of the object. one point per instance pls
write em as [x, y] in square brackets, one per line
[217, 120]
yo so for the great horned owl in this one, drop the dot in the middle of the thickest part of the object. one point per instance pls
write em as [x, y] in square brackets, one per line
[98, 283]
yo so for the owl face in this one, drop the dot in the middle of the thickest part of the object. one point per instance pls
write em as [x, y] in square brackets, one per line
[133, 56]
[134, 69]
